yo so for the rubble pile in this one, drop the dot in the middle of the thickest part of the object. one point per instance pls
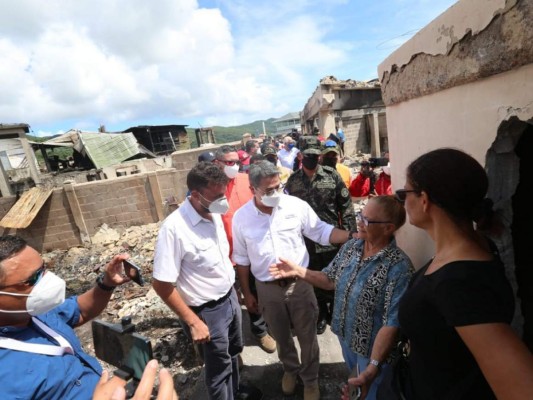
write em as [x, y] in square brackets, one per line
[80, 266]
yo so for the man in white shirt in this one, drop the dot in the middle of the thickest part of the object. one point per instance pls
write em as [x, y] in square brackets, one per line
[194, 276]
[288, 153]
[269, 227]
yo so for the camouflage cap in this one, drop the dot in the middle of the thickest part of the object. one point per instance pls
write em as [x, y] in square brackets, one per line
[312, 150]
[269, 150]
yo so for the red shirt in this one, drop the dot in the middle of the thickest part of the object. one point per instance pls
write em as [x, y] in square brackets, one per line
[383, 185]
[360, 186]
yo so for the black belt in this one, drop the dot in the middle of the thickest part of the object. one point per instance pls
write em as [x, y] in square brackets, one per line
[282, 282]
[211, 303]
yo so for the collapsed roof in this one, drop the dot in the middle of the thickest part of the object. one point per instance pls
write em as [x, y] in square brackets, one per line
[103, 149]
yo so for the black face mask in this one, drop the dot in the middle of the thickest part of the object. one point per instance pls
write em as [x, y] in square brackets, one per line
[310, 162]
[329, 161]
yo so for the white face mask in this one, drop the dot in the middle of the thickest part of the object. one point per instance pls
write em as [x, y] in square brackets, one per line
[231, 171]
[48, 293]
[272, 200]
[386, 169]
[219, 206]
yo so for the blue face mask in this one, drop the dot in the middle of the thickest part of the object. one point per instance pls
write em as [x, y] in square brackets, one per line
[291, 145]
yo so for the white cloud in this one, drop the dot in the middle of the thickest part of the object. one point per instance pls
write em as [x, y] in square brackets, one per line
[78, 64]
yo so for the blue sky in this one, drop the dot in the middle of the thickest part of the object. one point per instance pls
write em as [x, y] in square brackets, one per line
[122, 63]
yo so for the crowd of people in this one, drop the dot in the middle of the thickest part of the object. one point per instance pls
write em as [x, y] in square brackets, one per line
[274, 229]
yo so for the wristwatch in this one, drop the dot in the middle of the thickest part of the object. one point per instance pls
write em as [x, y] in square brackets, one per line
[375, 363]
[102, 285]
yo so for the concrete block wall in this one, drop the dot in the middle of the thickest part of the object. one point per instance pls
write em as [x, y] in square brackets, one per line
[53, 227]
[122, 201]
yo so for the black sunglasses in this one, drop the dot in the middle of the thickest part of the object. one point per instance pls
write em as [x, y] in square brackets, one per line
[401, 194]
[34, 278]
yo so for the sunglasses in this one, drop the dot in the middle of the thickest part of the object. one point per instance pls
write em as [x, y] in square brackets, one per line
[401, 194]
[230, 163]
[36, 276]
[361, 218]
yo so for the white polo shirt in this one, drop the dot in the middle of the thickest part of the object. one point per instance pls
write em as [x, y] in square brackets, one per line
[260, 239]
[193, 253]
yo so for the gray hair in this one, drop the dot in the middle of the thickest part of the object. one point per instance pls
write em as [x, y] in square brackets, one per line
[261, 170]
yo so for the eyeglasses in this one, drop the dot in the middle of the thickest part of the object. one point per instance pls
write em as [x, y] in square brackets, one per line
[270, 192]
[401, 194]
[361, 218]
[229, 163]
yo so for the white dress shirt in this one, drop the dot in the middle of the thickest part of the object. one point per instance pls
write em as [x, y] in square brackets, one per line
[260, 239]
[286, 158]
[193, 253]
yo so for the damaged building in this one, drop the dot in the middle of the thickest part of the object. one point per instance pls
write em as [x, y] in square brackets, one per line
[356, 107]
[466, 81]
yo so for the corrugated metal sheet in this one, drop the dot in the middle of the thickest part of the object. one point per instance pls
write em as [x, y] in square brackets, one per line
[105, 149]
[26, 208]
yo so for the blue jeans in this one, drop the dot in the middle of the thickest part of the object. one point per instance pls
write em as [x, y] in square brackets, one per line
[352, 359]
[220, 354]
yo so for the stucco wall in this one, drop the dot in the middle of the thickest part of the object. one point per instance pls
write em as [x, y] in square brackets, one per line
[466, 117]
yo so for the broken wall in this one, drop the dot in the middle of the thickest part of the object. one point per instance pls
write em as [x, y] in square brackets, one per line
[464, 113]
[75, 212]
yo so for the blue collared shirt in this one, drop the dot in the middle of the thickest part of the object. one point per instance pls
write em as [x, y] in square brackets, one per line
[367, 292]
[36, 376]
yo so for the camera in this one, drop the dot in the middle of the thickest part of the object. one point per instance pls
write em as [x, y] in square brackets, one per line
[378, 161]
[120, 346]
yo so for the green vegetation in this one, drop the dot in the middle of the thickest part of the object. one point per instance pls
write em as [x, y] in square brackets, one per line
[234, 133]
[62, 152]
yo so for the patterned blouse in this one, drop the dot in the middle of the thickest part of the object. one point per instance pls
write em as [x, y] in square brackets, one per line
[367, 292]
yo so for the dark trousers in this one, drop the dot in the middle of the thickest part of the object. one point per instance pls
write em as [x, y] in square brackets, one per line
[220, 353]
[258, 325]
[324, 298]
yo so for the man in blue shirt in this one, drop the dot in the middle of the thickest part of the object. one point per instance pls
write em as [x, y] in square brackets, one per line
[40, 355]
[342, 139]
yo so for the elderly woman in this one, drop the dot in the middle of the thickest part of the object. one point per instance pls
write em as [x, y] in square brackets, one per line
[458, 307]
[369, 276]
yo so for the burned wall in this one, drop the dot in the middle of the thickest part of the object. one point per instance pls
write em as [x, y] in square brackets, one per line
[458, 52]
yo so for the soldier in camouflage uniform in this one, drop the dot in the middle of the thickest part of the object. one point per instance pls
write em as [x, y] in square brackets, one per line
[324, 190]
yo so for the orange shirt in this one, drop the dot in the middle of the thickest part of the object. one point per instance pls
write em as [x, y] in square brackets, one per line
[238, 192]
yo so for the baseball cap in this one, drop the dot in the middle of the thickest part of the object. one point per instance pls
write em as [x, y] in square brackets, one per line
[329, 146]
[311, 151]
[269, 150]
[206, 156]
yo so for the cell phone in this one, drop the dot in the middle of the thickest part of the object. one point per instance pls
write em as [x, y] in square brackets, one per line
[133, 271]
[355, 391]
[128, 351]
